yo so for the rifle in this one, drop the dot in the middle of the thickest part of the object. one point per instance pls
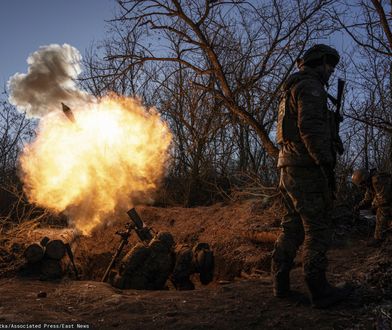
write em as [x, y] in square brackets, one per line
[337, 141]
[144, 233]
[338, 118]
[71, 258]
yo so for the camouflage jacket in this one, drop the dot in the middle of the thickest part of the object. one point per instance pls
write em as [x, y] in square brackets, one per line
[378, 193]
[306, 129]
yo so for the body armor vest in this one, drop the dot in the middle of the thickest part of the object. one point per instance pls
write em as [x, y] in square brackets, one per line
[287, 129]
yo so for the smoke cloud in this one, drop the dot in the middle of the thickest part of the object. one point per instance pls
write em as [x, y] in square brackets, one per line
[111, 157]
[50, 79]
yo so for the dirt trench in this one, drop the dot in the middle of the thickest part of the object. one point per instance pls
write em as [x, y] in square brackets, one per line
[240, 297]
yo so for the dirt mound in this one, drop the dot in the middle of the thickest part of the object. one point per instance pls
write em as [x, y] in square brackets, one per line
[241, 236]
[380, 268]
[241, 304]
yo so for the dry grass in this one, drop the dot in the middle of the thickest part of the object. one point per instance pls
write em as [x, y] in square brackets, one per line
[259, 237]
[250, 186]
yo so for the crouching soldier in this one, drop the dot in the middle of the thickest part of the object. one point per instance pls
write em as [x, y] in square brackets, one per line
[378, 196]
[189, 261]
[147, 267]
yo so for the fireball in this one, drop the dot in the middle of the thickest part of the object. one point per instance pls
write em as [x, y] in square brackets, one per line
[111, 159]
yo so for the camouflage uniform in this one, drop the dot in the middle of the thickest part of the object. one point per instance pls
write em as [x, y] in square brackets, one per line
[378, 196]
[196, 260]
[308, 140]
[147, 267]
[304, 162]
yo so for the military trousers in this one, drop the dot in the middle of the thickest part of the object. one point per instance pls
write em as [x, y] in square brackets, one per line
[383, 221]
[308, 201]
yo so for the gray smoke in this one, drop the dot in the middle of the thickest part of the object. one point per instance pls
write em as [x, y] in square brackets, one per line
[50, 80]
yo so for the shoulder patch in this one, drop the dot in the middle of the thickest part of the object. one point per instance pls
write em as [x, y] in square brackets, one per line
[315, 92]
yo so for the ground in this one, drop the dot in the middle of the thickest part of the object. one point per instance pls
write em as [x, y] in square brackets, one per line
[242, 236]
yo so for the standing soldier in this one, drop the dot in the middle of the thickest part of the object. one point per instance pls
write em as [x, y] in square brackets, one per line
[378, 195]
[309, 142]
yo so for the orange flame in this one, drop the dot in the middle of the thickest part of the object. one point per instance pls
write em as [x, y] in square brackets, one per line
[112, 159]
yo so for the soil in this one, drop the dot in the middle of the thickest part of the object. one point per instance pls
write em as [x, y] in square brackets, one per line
[240, 297]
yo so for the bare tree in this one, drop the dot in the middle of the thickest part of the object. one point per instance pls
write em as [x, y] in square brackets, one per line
[15, 131]
[368, 25]
[219, 39]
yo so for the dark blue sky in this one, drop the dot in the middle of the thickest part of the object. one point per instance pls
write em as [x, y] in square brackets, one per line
[25, 25]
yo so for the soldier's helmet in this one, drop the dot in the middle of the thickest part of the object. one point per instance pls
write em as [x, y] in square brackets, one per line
[360, 177]
[166, 238]
[318, 52]
[204, 262]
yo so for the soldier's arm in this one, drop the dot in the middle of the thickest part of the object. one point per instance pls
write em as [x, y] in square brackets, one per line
[313, 121]
[382, 187]
[135, 258]
[366, 202]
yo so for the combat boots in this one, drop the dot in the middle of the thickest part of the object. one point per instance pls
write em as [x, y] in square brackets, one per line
[324, 295]
[280, 279]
